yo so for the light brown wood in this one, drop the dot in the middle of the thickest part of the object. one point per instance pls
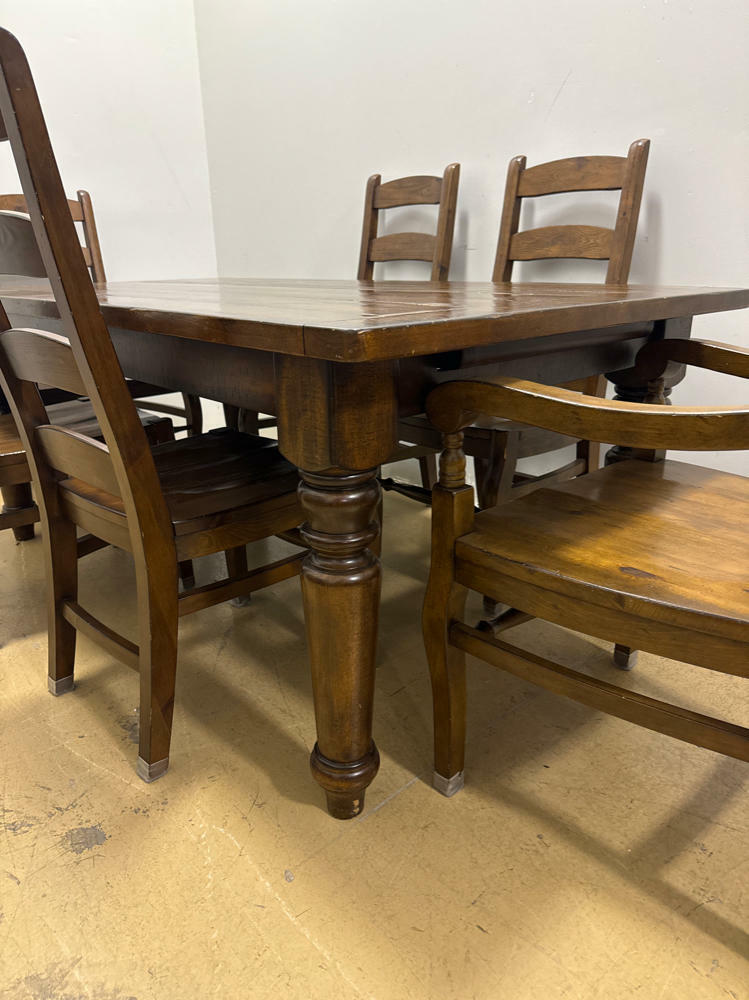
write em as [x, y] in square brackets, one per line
[653, 552]
[215, 488]
[557, 242]
[574, 414]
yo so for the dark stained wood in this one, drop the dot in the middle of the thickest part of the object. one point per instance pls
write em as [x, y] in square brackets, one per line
[581, 173]
[615, 552]
[19, 254]
[203, 494]
[352, 322]
[435, 248]
[496, 475]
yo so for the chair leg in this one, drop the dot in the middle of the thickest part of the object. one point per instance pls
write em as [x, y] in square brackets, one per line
[248, 421]
[18, 497]
[186, 574]
[231, 416]
[444, 602]
[428, 469]
[236, 565]
[158, 615]
[61, 556]
[194, 412]
[625, 657]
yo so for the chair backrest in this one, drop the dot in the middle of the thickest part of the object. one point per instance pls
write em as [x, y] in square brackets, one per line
[85, 363]
[18, 247]
[577, 173]
[406, 191]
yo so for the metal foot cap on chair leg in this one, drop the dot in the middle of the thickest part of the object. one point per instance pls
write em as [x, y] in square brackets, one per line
[447, 786]
[150, 772]
[61, 686]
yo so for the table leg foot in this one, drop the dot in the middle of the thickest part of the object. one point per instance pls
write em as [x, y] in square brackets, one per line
[344, 784]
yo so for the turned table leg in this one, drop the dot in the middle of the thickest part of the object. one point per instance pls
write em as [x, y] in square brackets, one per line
[338, 423]
[341, 591]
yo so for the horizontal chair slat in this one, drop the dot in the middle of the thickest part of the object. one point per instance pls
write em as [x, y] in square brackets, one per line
[576, 173]
[39, 356]
[78, 456]
[456, 405]
[408, 191]
[402, 246]
[554, 242]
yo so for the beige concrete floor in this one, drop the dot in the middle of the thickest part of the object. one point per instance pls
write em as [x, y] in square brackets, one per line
[585, 858]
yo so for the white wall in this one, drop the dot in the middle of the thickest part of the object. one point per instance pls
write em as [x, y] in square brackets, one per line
[304, 100]
[119, 85]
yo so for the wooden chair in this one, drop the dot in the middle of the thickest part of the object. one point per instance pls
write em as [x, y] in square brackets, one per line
[497, 445]
[19, 255]
[559, 553]
[434, 249]
[199, 495]
[18, 244]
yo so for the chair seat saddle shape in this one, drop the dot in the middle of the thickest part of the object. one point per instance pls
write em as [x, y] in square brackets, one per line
[652, 551]
[182, 499]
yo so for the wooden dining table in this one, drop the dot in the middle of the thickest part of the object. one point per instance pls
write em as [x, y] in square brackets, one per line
[338, 362]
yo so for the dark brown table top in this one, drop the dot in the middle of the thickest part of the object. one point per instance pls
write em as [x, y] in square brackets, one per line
[368, 321]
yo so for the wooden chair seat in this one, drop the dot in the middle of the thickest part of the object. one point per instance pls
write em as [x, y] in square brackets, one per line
[210, 482]
[646, 510]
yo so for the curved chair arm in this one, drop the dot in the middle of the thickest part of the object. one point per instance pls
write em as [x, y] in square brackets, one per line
[455, 405]
[651, 361]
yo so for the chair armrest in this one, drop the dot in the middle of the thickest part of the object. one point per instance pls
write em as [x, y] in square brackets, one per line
[455, 405]
[651, 361]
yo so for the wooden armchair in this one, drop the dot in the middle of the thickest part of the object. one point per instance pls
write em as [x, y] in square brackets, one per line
[497, 445]
[18, 244]
[559, 553]
[199, 495]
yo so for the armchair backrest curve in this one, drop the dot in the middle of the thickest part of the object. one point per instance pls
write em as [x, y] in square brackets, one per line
[22, 123]
[455, 405]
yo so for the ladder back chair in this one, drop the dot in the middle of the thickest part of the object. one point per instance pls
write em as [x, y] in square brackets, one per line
[19, 255]
[432, 248]
[17, 240]
[199, 495]
[497, 445]
[557, 553]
